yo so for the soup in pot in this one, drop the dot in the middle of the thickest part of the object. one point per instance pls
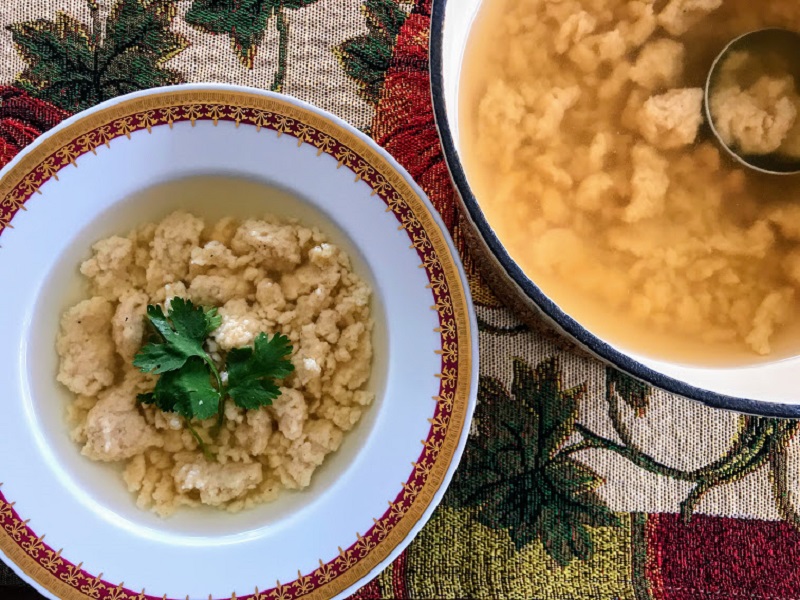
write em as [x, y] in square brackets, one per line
[584, 139]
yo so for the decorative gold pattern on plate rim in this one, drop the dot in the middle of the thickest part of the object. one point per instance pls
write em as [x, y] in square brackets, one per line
[46, 565]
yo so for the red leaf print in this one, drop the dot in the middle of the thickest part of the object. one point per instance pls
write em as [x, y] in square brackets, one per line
[22, 119]
[17, 133]
[7, 152]
[404, 123]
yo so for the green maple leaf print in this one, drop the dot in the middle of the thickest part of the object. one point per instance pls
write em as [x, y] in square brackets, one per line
[633, 392]
[245, 21]
[515, 473]
[366, 58]
[75, 67]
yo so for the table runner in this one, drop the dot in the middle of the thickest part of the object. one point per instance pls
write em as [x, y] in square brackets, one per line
[577, 481]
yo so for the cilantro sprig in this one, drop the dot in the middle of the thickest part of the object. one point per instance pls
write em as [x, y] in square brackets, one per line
[182, 333]
[252, 371]
[190, 383]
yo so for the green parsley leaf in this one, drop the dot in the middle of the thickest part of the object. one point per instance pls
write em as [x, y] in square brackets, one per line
[213, 319]
[189, 321]
[252, 371]
[187, 391]
[183, 333]
[158, 358]
[190, 383]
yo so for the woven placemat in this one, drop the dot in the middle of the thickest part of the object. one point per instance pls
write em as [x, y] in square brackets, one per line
[577, 482]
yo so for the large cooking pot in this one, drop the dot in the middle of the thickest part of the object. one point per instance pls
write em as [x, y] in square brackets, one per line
[766, 388]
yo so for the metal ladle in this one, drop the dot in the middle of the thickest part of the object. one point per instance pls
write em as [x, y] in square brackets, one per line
[769, 44]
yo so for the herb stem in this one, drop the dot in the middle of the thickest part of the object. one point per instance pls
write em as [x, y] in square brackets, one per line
[206, 452]
[220, 417]
[214, 370]
[221, 389]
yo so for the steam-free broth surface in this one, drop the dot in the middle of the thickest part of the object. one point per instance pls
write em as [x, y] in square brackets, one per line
[254, 277]
[584, 139]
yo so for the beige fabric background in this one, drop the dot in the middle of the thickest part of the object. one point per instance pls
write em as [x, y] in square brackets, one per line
[674, 431]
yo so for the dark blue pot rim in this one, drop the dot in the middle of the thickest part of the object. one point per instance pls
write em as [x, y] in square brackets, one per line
[595, 345]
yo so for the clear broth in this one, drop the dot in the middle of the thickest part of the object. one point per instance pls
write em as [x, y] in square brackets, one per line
[211, 197]
[489, 57]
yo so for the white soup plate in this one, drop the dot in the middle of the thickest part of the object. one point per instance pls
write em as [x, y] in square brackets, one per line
[68, 525]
